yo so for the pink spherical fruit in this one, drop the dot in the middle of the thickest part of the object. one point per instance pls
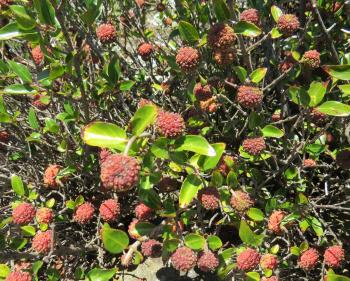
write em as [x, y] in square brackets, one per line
[288, 24]
[44, 215]
[19, 276]
[249, 97]
[187, 58]
[275, 220]
[104, 153]
[143, 212]
[37, 55]
[42, 242]
[84, 213]
[208, 261]
[241, 201]
[308, 259]
[145, 50]
[110, 210]
[309, 163]
[311, 58]
[184, 259]
[50, 175]
[170, 124]
[221, 36]
[248, 259]
[268, 261]
[334, 256]
[250, 15]
[151, 248]
[23, 213]
[209, 198]
[106, 33]
[272, 278]
[254, 145]
[4, 136]
[120, 172]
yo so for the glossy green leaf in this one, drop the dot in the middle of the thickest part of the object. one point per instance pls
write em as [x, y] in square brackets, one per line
[336, 277]
[194, 241]
[341, 72]
[345, 89]
[36, 267]
[10, 31]
[21, 70]
[258, 74]
[241, 73]
[32, 119]
[255, 214]
[276, 13]
[98, 274]
[248, 236]
[17, 185]
[214, 242]
[144, 117]
[46, 11]
[275, 33]
[28, 230]
[189, 190]
[232, 179]
[334, 108]
[103, 134]
[188, 32]
[207, 162]
[221, 10]
[194, 143]
[17, 89]
[160, 148]
[270, 131]
[4, 271]
[24, 20]
[252, 276]
[126, 85]
[316, 93]
[114, 241]
[247, 29]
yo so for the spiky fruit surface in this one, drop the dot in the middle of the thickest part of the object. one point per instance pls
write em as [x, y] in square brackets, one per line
[23, 213]
[207, 261]
[44, 215]
[106, 33]
[84, 213]
[225, 163]
[37, 55]
[202, 92]
[151, 248]
[187, 58]
[272, 278]
[184, 259]
[250, 15]
[343, 159]
[309, 163]
[50, 175]
[120, 172]
[110, 210]
[224, 56]
[287, 63]
[308, 259]
[42, 241]
[276, 117]
[275, 220]
[249, 97]
[38, 103]
[317, 117]
[4, 136]
[133, 233]
[288, 24]
[19, 276]
[145, 50]
[143, 212]
[209, 105]
[209, 198]
[334, 255]
[254, 145]
[170, 124]
[241, 201]
[311, 58]
[221, 36]
[104, 153]
[268, 261]
[248, 259]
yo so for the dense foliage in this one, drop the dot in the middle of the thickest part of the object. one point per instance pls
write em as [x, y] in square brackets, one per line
[213, 136]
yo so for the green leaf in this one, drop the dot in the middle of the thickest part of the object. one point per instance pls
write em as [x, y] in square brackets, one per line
[316, 93]
[316, 225]
[36, 267]
[271, 131]
[46, 11]
[241, 73]
[258, 74]
[298, 95]
[17, 185]
[232, 179]
[247, 29]
[17, 89]
[248, 236]
[276, 13]
[189, 190]
[160, 148]
[4, 270]
[294, 250]
[144, 116]
[334, 108]
[194, 143]
[97, 274]
[221, 10]
[21, 70]
[33, 120]
[194, 241]
[214, 242]
[114, 241]
[10, 31]
[188, 32]
[252, 276]
[275, 33]
[345, 89]
[207, 162]
[341, 72]
[105, 135]
[28, 230]
[255, 214]
[126, 85]
[113, 71]
[336, 277]
[24, 20]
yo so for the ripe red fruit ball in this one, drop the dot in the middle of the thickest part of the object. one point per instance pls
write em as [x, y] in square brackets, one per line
[184, 259]
[110, 210]
[23, 213]
[207, 261]
[170, 124]
[272, 278]
[221, 36]
[44, 215]
[209, 198]
[38, 103]
[249, 97]
[151, 248]
[104, 153]
[19, 276]
[106, 33]
[4, 136]
[275, 220]
[143, 212]
[334, 255]
[145, 50]
[288, 24]
[187, 58]
[202, 92]
[254, 145]
[250, 15]
[268, 261]
[42, 241]
[308, 259]
[311, 58]
[50, 175]
[209, 105]
[309, 163]
[120, 172]
[37, 55]
[84, 213]
[241, 201]
[248, 259]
